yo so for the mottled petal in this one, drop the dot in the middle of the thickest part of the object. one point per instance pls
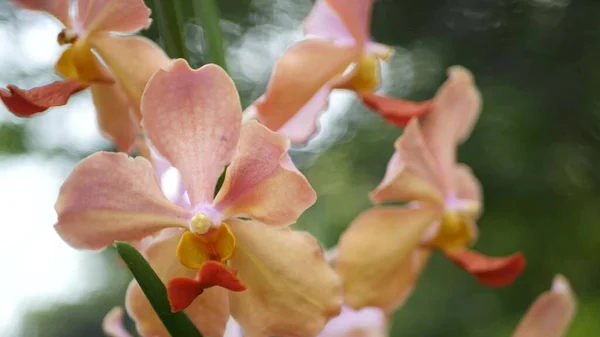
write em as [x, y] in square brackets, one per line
[551, 314]
[262, 182]
[395, 111]
[113, 326]
[456, 107]
[291, 290]
[377, 260]
[412, 173]
[298, 75]
[112, 107]
[111, 197]
[123, 16]
[25, 103]
[491, 271]
[193, 118]
[132, 61]
[209, 312]
[58, 8]
[367, 322]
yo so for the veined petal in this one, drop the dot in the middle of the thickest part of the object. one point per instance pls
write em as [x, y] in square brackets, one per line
[367, 322]
[112, 108]
[395, 111]
[280, 299]
[193, 118]
[112, 325]
[123, 16]
[111, 197]
[551, 314]
[79, 63]
[298, 75]
[209, 312]
[412, 173]
[58, 8]
[262, 182]
[26, 103]
[456, 107]
[377, 261]
[132, 61]
[491, 271]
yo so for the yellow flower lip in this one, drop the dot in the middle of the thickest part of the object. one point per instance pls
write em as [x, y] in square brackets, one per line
[66, 36]
[216, 244]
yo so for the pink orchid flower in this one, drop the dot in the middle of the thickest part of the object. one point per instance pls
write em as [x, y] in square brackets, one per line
[116, 67]
[193, 119]
[385, 248]
[551, 314]
[340, 56]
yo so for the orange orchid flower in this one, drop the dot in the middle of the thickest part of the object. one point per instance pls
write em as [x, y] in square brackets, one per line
[339, 54]
[116, 67]
[384, 250]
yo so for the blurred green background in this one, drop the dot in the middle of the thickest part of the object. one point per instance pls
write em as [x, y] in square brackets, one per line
[536, 150]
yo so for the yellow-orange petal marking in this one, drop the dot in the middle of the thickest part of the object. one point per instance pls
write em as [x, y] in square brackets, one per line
[218, 244]
[366, 77]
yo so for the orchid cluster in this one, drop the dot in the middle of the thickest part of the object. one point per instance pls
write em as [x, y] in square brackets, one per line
[222, 243]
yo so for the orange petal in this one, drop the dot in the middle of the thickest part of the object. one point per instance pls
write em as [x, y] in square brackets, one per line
[491, 271]
[292, 291]
[209, 312]
[113, 16]
[25, 103]
[183, 291]
[395, 111]
[379, 259]
[78, 62]
[112, 108]
[298, 75]
[275, 192]
[58, 8]
[551, 314]
[412, 173]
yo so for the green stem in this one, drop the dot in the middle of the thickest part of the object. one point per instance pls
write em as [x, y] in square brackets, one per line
[178, 324]
[206, 13]
[170, 21]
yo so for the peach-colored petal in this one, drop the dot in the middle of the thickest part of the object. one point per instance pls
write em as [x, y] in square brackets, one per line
[209, 312]
[367, 322]
[262, 182]
[456, 107]
[193, 118]
[123, 16]
[379, 261]
[323, 22]
[26, 103]
[491, 271]
[58, 8]
[395, 111]
[291, 290]
[412, 173]
[132, 61]
[467, 185]
[110, 197]
[551, 313]
[112, 107]
[298, 75]
[112, 325]
[355, 15]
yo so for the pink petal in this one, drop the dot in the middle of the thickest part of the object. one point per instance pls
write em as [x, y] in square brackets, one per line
[123, 16]
[491, 271]
[467, 185]
[57, 8]
[323, 22]
[193, 118]
[113, 326]
[262, 182]
[300, 73]
[26, 103]
[110, 197]
[209, 312]
[395, 111]
[551, 314]
[412, 173]
[367, 322]
[456, 107]
[355, 16]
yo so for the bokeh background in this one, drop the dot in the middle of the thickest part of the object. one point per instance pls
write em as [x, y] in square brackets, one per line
[536, 150]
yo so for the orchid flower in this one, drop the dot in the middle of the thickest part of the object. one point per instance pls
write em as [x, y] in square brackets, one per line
[116, 67]
[551, 314]
[340, 55]
[385, 248]
[193, 119]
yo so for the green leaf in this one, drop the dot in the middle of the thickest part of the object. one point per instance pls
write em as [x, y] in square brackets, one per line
[170, 21]
[206, 14]
[178, 324]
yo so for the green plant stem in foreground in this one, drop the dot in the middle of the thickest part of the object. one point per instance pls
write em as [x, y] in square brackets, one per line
[178, 324]
[206, 14]
[170, 21]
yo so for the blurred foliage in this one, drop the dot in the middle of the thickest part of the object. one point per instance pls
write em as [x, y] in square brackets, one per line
[535, 149]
